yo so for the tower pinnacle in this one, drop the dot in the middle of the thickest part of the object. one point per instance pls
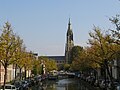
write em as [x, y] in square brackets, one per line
[69, 22]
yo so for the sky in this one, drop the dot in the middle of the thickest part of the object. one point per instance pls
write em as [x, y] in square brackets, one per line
[42, 24]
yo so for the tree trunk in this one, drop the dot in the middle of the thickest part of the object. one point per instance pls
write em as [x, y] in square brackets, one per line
[105, 76]
[15, 71]
[5, 76]
[25, 73]
[28, 74]
[20, 73]
[110, 75]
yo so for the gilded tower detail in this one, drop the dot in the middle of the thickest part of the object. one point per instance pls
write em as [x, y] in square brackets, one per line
[69, 44]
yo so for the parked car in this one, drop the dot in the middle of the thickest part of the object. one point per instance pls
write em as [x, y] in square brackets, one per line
[9, 87]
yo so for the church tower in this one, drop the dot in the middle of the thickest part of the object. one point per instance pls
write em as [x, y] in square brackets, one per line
[69, 44]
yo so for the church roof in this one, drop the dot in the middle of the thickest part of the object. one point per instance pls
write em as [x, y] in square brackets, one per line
[56, 57]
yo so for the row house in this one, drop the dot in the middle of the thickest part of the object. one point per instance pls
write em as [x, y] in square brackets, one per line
[114, 68]
[11, 73]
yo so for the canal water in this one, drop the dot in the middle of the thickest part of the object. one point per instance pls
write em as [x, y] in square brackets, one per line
[63, 84]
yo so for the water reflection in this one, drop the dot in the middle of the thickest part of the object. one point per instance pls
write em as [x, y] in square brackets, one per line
[63, 84]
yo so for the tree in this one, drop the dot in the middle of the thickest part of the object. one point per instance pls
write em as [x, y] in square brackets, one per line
[20, 57]
[116, 32]
[66, 67]
[75, 53]
[18, 54]
[75, 57]
[37, 69]
[84, 63]
[102, 49]
[50, 64]
[8, 46]
[27, 61]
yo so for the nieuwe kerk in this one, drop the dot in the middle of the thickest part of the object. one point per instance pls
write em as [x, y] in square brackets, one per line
[69, 44]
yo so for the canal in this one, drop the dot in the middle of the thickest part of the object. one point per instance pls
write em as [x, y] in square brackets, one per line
[63, 84]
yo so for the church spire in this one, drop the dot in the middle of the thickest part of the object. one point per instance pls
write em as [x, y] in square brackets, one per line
[69, 26]
[69, 22]
[69, 43]
[69, 31]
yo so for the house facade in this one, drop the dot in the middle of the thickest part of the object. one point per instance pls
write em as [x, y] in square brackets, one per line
[10, 72]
